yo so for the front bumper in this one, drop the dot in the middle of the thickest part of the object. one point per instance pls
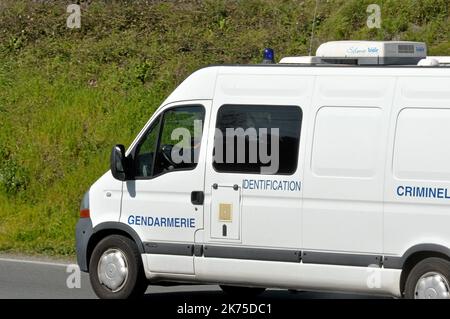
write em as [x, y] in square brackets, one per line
[83, 233]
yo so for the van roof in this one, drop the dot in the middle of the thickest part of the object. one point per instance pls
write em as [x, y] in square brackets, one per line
[200, 85]
[330, 65]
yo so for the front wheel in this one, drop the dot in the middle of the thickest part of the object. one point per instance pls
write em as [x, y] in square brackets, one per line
[429, 279]
[115, 269]
[242, 291]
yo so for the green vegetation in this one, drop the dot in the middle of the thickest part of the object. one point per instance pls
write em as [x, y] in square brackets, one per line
[68, 95]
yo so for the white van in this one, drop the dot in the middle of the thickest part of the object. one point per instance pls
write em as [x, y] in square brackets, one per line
[347, 188]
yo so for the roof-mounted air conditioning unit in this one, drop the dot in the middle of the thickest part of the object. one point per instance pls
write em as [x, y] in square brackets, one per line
[365, 53]
[372, 52]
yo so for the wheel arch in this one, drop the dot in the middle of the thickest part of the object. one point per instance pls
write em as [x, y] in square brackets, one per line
[416, 254]
[105, 229]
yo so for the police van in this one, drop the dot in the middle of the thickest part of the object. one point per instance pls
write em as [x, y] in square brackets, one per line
[328, 172]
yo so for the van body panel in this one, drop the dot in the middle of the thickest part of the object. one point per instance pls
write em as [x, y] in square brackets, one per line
[105, 200]
[299, 276]
[344, 164]
[417, 174]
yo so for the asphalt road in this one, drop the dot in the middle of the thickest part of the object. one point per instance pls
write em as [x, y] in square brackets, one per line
[38, 279]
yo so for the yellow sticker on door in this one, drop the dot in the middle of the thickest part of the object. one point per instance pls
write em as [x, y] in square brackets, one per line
[225, 212]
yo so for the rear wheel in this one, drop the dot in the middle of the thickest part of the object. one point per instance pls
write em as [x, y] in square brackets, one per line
[115, 269]
[242, 291]
[429, 279]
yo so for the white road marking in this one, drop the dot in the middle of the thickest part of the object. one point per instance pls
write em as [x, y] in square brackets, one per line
[36, 262]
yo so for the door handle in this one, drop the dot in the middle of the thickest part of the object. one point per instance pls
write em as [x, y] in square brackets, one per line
[197, 197]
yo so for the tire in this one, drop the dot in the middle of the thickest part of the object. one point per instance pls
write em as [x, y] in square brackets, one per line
[429, 279]
[121, 259]
[242, 291]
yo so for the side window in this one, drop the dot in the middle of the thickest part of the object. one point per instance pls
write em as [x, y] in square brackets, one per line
[258, 139]
[172, 143]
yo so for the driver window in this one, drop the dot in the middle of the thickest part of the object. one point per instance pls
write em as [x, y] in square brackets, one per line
[181, 134]
[171, 143]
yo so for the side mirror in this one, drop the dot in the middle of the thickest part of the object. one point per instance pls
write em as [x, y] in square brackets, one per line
[118, 164]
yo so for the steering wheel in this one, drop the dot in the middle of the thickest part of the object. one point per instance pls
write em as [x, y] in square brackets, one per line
[166, 151]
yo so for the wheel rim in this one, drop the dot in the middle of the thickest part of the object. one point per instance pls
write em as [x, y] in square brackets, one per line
[112, 269]
[432, 285]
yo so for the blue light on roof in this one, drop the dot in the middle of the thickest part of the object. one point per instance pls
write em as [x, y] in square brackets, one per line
[268, 56]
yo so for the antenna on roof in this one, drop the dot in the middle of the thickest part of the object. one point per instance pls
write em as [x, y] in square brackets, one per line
[313, 28]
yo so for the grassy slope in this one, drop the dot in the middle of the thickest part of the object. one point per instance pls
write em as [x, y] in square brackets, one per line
[68, 95]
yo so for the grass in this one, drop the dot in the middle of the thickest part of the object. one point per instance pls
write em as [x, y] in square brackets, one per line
[68, 95]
